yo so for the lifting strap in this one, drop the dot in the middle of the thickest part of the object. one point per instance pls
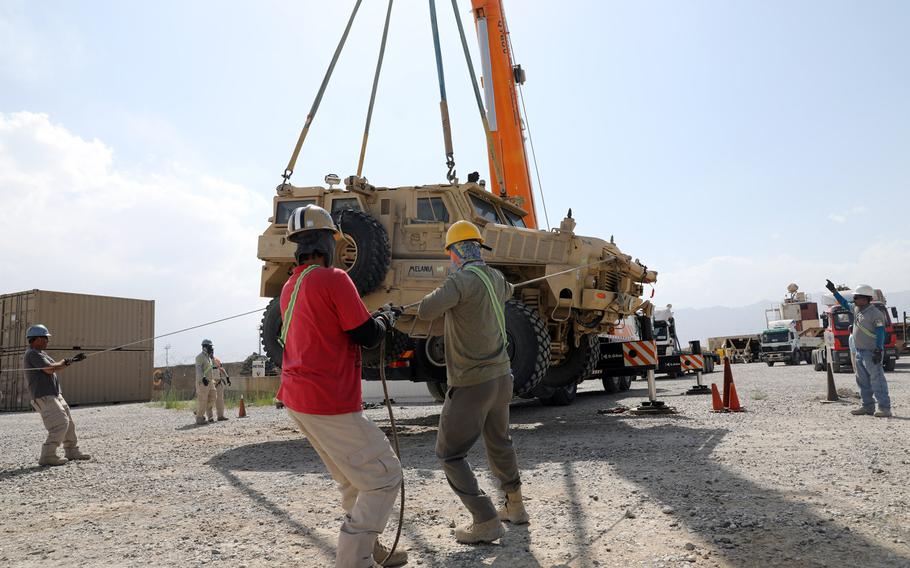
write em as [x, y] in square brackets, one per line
[366, 129]
[443, 103]
[289, 312]
[498, 309]
[325, 82]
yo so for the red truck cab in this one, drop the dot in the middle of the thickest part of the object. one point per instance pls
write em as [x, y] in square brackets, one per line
[838, 323]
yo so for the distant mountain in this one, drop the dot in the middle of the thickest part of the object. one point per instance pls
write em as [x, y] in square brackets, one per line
[702, 323]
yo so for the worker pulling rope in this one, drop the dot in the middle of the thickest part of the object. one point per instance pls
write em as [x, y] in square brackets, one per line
[146, 340]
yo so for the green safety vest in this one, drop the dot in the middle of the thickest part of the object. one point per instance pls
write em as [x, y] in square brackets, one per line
[289, 313]
[498, 308]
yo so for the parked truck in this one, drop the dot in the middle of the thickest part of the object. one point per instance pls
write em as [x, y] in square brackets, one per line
[794, 330]
[674, 360]
[837, 322]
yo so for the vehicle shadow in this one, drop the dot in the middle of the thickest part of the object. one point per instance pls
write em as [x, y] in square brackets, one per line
[671, 461]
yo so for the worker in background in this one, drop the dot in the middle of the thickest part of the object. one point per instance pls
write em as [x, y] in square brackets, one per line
[221, 381]
[324, 326]
[47, 398]
[868, 341]
[206, 374]
[479, 377]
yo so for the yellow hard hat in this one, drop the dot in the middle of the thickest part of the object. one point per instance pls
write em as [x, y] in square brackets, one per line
[462, 231]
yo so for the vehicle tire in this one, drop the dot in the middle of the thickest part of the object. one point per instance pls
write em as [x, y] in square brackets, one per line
[562, 396]
[529, 347]
[625, 383]
[611, 384]
[270, 330]
[890, 364]
[770, 363]
[835, 366]
[367, 254]
[578, 364]
[818, 366]
[437, 390]
[396, 343]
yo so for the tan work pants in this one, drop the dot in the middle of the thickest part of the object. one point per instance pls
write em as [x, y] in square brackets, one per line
[467, 414]
[361, 461]
[205, 397]
[217, 401]
[55, 413]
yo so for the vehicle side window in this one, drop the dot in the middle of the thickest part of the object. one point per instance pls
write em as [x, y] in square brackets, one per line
[514, 219]
[285, 208]
[346, 203]
[431, 210]
[485, 210]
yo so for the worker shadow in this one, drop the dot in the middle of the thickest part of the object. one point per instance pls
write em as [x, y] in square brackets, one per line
[9, 474]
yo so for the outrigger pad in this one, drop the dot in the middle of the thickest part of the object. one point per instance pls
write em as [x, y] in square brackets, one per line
[653, 407]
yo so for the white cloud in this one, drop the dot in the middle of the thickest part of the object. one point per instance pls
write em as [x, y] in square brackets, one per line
[837, 218]
[72, 221]
[740, 280]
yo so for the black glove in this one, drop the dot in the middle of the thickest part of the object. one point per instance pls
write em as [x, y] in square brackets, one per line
[227, 379]
[78, 357]
[389, 315]
[67, 362]
[830, 286]
[205, 382]
[877, 356]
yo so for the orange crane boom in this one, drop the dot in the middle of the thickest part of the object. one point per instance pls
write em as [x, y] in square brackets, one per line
[499, 87]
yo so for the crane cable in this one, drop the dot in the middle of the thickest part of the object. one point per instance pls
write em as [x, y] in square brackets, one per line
[366, 128]
[325, 82]
[524, 111]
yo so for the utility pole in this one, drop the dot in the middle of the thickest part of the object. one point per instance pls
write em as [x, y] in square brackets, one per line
[167, 349]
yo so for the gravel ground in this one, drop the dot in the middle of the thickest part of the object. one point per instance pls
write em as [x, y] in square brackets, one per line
[790, 482]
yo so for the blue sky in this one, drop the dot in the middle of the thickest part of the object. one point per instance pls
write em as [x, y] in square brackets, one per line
[733, 146]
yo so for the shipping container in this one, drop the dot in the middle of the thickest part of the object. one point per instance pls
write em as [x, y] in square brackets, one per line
[116, 376]
[77, 321]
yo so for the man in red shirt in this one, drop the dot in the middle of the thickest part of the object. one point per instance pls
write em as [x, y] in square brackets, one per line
[324, 325]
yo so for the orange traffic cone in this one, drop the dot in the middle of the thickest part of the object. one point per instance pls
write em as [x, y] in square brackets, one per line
[734, 400]
[242, 411]
[728, 380]
[716, 404]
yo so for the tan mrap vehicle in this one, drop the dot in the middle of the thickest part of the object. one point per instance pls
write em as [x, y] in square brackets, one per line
[392, 248]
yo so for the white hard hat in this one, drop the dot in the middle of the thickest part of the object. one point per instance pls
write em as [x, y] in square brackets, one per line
[864, 290]
[309, 218]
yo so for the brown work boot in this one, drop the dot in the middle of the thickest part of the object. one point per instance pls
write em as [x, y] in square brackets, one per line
[222, 418]
[380, 551]
[475, 533]
[49, 456]
[882, 412]
[513, 510]
[74, 454]
[863, 410]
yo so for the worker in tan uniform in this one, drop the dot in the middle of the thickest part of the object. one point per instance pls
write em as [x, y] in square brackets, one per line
[222, 380]
[479, 377]
[47, 398]
[324, 325]
[206, 391]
